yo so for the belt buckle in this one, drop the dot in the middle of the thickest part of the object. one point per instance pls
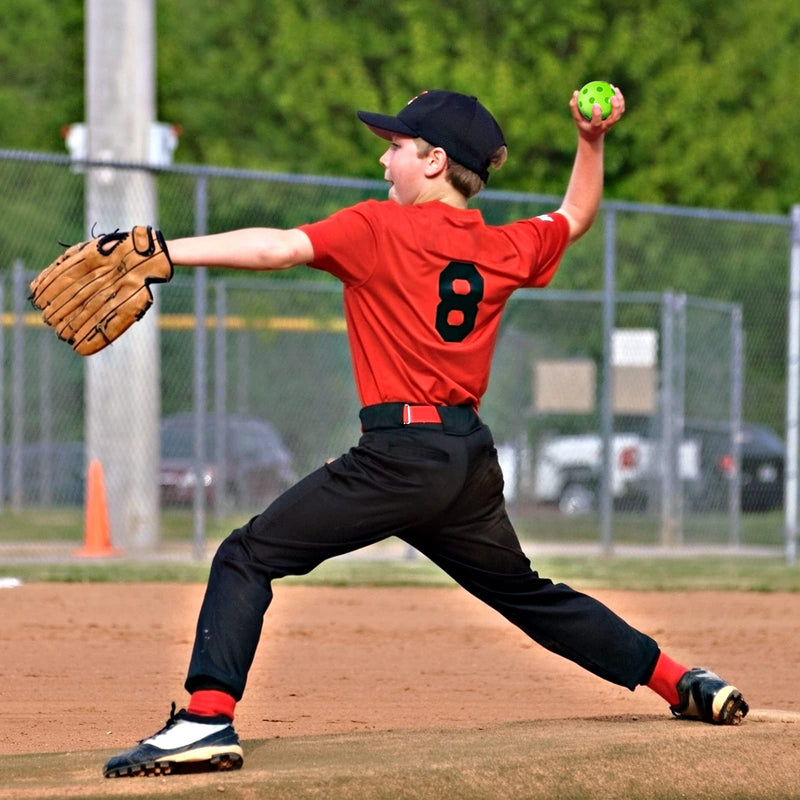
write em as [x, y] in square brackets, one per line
[420, 414]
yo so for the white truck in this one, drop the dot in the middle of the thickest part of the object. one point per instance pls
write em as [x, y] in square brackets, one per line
[568, 470]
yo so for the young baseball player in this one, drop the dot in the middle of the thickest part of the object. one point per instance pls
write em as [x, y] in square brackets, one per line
[425, 283]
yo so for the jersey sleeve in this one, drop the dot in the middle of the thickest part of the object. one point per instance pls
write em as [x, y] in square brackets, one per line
[542, 241]
[344, 244]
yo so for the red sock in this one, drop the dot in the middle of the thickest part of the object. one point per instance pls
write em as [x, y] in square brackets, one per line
[210, 703]
[665, 677]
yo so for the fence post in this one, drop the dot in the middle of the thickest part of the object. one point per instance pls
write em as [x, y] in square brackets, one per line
[607, 411]
[679, 416]
[737, 386]
[2, 395]
[242, 382]
[45, 454]
[667, 439]
[200, 283]
[792, 393]
[17, 385]
[220, 405]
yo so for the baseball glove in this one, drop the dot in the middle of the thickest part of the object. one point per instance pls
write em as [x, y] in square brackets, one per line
[92, 293]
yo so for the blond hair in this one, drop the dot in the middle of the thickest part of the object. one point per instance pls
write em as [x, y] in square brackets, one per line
[462, 179]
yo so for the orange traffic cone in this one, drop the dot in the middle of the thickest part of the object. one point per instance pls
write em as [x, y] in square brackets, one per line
[97, 539]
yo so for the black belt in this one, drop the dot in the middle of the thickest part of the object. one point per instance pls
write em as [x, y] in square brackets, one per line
[453, 419]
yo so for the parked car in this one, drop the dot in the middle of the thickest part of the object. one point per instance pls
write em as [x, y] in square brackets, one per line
[53, 473]
[569, 470]
[762, 456]
[256, 468]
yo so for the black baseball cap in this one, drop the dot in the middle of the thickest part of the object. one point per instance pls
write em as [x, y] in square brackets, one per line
[455, 122]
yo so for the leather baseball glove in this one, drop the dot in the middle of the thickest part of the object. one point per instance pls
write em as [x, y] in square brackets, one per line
[92, 293]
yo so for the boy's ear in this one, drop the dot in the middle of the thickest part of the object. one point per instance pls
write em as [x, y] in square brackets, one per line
[435, 162]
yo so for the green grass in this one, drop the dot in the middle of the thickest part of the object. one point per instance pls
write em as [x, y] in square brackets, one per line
[66, 524]
[757, 530]
[702, 573]
[51, 529]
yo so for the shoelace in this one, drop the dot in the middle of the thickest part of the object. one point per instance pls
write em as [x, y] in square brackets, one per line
[173, 719]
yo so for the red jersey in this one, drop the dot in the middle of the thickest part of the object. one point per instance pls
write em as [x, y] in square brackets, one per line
[424, 288]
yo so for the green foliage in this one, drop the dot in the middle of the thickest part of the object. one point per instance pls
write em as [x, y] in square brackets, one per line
[41, 61]
[277, 86]
[709, 85]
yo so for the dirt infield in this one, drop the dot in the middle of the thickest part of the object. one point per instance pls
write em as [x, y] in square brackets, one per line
[95, 666]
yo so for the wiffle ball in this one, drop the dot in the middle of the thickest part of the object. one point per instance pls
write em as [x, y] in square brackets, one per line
[595, 92]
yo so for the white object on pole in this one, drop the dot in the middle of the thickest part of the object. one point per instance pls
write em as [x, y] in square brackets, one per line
[161, 145]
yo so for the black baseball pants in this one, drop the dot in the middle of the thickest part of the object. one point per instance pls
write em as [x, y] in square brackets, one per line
[436, 486]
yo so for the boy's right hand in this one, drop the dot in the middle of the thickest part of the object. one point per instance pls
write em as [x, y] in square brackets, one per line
[597, 126]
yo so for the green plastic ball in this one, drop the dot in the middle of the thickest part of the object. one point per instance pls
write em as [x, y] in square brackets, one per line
[595, 92]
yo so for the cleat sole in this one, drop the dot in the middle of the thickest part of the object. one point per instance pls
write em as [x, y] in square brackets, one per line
[733, 710]
[705, 697]
[218, 762]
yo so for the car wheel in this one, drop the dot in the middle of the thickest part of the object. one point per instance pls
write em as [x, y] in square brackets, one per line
[576, 498]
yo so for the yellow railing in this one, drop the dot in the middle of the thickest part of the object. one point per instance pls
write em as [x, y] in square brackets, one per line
[232, 322]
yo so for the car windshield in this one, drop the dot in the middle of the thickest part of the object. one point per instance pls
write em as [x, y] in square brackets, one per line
[251, 440]
[762, 436]
[245, 439]
[177, 442]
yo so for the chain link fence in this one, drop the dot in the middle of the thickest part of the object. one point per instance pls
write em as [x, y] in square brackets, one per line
[639, 401]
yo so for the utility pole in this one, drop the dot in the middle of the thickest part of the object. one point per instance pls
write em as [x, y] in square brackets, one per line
[122, 386]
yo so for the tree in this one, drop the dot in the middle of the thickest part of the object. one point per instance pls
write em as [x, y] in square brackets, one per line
[275, 86]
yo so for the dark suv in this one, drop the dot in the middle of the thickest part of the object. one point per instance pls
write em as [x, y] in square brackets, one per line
[256, 466]
[762, 456]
